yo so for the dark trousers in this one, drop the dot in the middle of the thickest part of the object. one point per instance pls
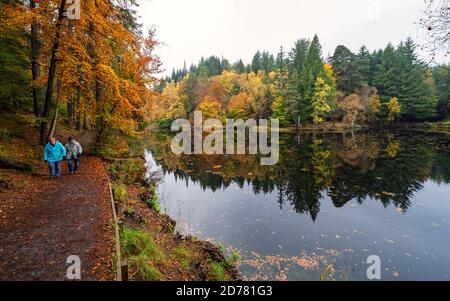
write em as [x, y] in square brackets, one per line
[55, 169]
[74, 164]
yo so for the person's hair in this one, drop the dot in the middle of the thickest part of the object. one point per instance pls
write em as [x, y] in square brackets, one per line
[70, 138]
[51, 138]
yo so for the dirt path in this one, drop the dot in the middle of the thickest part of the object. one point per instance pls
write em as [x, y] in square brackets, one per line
[45, 221]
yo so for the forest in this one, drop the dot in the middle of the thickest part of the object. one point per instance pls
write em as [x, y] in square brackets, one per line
[100, 72]
[300, 86]
[95, 72]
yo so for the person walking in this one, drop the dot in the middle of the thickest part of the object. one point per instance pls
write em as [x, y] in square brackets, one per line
[74, 151]
[54, 153]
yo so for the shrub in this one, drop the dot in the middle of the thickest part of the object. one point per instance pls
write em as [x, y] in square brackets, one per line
[129, 211]
[128, 171]
[120, 192]
[152, 202]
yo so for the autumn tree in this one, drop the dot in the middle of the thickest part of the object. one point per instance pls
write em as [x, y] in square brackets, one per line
[239, 106]
[352, 107]
[393, 109]
[101, 67]
[320, 101]
[210, 107]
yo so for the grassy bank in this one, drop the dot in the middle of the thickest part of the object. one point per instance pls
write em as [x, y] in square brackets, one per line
[149, 242]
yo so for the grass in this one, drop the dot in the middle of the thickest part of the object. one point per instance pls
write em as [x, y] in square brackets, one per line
[183, 255]
[218, 272]
[142, 254]
[234, 257]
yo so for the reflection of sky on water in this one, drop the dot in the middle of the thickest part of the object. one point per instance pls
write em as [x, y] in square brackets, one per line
[281, 244]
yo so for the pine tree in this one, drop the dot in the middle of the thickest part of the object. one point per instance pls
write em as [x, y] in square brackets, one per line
[401, 75]
[312, 68]
[297, 56]
[239, 67]
[293, 98]
[348, 69]
[256, 62]
[441, 75]
[281, 63]
[267, 62]
[363, 65]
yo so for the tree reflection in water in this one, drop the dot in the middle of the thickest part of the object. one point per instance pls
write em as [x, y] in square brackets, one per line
[388, 167]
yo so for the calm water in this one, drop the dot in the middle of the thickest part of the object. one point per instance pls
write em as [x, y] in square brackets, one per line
[331, 200]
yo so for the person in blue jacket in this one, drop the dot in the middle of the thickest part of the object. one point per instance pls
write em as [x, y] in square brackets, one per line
[54, 153]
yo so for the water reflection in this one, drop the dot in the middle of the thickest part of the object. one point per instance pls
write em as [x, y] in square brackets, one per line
[388, 168]
[233, 199]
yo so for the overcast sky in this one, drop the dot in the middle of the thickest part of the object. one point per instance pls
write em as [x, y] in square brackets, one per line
[236, 29]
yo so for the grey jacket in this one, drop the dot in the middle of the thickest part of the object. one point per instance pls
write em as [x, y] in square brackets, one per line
[73, 149]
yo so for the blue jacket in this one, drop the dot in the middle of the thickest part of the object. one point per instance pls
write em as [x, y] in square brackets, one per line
[54, 153]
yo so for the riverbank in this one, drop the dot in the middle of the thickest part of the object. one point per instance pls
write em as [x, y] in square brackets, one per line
[149, 242]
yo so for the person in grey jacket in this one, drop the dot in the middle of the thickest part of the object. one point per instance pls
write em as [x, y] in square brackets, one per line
[73, 155]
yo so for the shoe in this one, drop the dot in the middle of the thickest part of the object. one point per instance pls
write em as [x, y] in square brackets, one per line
[71, 173]
[76, 172]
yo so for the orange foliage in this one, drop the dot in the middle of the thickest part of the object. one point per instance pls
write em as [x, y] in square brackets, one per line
[103, 68]
[239, 104]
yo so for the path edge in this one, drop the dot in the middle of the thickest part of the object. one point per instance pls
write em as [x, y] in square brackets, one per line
[116, 228]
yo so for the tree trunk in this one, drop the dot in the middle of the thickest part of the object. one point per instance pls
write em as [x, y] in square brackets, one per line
[85, 123]
[79, 120]
[70, 111]
[55, 116]
[35, 67]
[51, 73]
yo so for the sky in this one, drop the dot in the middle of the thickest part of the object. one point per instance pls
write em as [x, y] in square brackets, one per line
[235, 29]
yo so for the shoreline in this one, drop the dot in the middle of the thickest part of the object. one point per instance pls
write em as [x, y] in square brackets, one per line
[441, 127]
[175, 257]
